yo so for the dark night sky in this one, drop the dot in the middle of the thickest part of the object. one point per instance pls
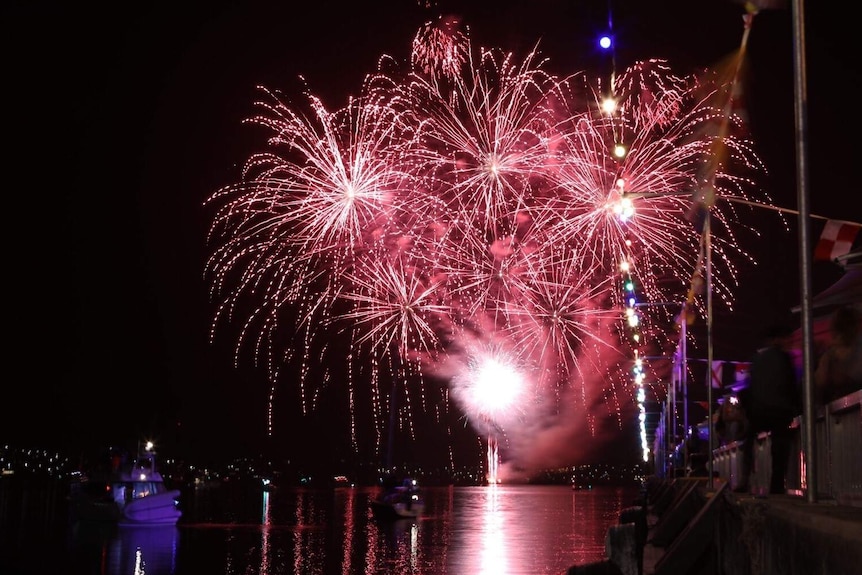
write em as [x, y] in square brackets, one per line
[118, 125]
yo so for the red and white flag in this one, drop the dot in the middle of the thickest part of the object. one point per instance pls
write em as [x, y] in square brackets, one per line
[741, 371]
[836, 240]
[717, 372]
[729, 373]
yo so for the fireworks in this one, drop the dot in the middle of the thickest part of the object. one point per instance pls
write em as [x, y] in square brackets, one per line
[470, 202]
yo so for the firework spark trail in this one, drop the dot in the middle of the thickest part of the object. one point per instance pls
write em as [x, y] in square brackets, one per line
[484, 277]
[296, 222]
[470, 200]
[658, 166]
[562, 310]
[484, 141]
[398, 306]
[440, 49]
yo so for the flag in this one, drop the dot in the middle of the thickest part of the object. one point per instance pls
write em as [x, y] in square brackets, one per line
[729, 373]
[740, 371]
[836, 240]
[716, 373]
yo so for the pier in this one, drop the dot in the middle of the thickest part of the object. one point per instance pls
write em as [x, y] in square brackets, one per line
[694, 526]
[687, 528]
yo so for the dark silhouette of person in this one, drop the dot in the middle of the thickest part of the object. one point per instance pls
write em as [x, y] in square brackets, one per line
[771, 401]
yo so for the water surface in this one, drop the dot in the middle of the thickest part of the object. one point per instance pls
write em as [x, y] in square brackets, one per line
[232, 530]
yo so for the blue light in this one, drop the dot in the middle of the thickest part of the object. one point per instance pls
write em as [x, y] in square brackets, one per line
[605, 42]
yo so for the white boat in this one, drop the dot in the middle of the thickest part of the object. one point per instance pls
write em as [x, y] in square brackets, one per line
[401, 501]
[132, 493]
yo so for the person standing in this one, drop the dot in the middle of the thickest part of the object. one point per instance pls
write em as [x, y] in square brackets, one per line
[772, 400]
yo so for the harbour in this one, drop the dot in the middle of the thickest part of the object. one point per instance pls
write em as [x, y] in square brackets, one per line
[482, 246]
[505, 530]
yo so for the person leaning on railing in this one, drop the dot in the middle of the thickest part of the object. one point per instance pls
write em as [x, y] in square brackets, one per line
[839, 369]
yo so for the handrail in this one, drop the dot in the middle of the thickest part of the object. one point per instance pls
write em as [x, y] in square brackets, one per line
[837, 467]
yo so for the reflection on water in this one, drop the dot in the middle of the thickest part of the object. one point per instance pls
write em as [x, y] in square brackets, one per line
[513, 530]
[129, 550]
[234, 530]
[492, 535]
[266, 521]
[140, 550]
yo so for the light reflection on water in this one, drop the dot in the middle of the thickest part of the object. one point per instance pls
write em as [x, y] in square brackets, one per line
[140, 550]
[493, 530]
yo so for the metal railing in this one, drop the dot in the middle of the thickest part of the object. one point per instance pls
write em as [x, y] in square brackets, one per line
[837, 455]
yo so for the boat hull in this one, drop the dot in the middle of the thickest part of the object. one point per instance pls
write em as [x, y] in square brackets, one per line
[158, 509]
[384, 508]
[133, 494]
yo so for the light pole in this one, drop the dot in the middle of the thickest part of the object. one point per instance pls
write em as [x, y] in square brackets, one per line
[626, 198]
[680, 364]
[800, 100]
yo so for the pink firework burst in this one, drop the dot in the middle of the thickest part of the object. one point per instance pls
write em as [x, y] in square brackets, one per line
[474, 197]
[395, 306]
[636, 205]
[492, 387]
[302, 213]
[480, 140]
[564, 313]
